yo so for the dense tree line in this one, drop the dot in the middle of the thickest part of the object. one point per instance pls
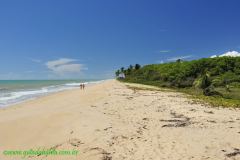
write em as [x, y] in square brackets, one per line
[206, 74]
[128, 71]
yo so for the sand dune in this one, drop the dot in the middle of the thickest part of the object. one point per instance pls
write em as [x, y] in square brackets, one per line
[110, 121]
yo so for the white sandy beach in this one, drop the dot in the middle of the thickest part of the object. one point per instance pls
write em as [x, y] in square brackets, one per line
[109, 121]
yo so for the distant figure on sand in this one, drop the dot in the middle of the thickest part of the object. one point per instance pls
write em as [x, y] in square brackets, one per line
[82, 86]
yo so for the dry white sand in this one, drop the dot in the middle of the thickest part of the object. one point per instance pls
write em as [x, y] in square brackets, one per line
[109, 121]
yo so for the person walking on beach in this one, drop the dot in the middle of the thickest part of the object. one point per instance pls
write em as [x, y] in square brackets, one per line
[83, 86]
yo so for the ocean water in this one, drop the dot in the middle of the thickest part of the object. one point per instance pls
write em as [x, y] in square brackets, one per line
[16, 91]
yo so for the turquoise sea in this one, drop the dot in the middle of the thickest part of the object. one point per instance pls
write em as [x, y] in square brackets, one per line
[15, 91]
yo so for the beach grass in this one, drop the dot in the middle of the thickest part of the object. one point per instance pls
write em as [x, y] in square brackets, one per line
[195, 94]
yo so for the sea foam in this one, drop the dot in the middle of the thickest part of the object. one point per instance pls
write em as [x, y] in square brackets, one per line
[12, 97]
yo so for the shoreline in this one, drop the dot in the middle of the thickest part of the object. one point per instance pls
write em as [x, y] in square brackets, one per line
[111, 121]
[33, 99]
[38, 98]
[32, 96]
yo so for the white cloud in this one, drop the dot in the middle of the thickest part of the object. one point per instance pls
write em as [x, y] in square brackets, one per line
[229, 54]
[29, 71]
[35, 60]
[164, 51]
[180, 57]
[64, 66]
[161, 61]
[213, 56]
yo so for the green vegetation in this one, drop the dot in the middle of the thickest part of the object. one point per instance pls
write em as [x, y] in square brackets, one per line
[215, 80]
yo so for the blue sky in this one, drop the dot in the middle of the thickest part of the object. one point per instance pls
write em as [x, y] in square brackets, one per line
[58, 39]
